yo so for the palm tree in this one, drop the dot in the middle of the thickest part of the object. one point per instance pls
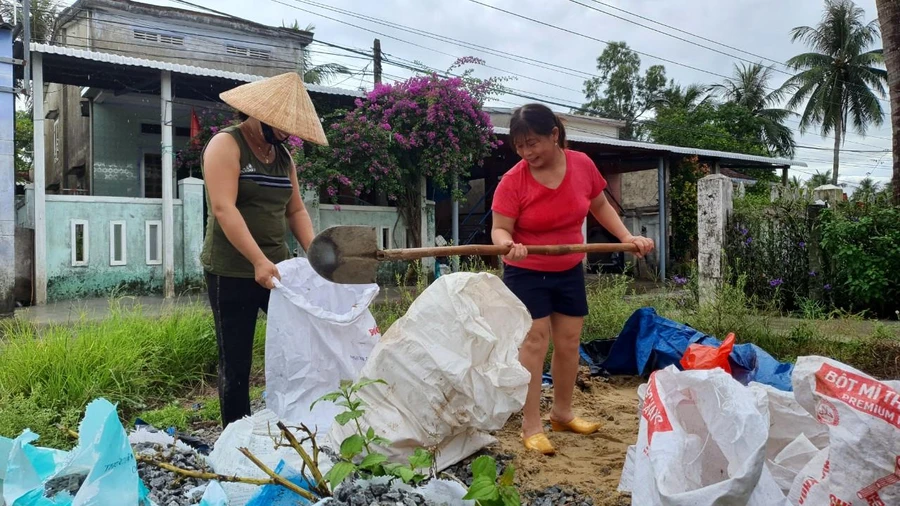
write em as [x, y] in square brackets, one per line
[687, 98]
[44, 15]
[316, 74]
[44, 18]
[819, 179]
[840, 80]
[889, 14]
[866, 190]
[749, 88]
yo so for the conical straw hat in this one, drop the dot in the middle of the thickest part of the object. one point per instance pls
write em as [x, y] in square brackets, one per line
[282, 102]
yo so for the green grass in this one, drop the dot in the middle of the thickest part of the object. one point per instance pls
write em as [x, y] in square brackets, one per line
[138, 362]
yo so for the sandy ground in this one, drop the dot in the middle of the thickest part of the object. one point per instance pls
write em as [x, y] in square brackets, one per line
[590, 464]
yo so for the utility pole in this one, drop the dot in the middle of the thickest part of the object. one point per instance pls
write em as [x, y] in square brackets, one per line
[377, 59]
[26, 45]
[7, 177]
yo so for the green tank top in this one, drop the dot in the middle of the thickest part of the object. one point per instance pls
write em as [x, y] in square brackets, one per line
[262, 197]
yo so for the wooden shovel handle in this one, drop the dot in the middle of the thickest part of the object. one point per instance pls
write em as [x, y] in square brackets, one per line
[487, 250]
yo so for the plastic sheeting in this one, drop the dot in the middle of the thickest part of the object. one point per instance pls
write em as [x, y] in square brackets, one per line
[649, 342]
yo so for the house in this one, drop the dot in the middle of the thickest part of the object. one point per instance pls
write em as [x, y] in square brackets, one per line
[103, 139]
[114, 93]
[637, 177]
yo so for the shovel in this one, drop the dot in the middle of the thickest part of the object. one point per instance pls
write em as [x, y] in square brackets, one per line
[350, 255]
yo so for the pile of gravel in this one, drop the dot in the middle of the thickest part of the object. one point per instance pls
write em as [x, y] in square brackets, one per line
[556, 496]
[370, 494]
[167, 488]
[552, 496]
[70, 483]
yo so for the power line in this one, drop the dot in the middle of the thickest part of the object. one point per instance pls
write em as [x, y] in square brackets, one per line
[589, 37]
[687, 32]
[730, 55]
[438, 37]
[443, 38]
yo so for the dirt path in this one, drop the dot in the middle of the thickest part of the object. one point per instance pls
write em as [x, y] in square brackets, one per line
[590, 464]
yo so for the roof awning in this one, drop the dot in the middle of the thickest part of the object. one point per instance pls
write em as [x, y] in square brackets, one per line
[79, 67]
[648, 148]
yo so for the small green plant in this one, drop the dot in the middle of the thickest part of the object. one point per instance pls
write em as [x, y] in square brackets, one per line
[357, 454]
[487, 489]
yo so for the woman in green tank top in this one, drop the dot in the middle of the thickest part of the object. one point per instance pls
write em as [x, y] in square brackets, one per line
[252, 195]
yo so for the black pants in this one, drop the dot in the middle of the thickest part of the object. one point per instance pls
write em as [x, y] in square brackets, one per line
[235, 303]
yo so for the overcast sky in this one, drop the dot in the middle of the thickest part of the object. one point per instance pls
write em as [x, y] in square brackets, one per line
[757, 26]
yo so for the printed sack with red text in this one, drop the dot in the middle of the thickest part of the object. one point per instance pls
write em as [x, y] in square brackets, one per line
[861, 465]
[702, 442]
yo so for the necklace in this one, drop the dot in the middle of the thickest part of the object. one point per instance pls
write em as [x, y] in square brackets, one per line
[262, 153]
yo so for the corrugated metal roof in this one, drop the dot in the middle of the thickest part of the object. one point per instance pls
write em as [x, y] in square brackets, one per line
[172, 67]
[609, 141]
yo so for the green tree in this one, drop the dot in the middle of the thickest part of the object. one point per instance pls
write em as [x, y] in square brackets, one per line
[44, 16]
[748, 87]
[723, 127]
[316, 74]
[687, 98]
[842, 79]
[619, 91]
[24, 145]
[867, 190]
[819, 179]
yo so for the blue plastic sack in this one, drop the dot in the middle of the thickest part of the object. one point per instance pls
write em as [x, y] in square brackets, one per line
[276, 495]
[649, 342]
[103, 458]
[214, 495]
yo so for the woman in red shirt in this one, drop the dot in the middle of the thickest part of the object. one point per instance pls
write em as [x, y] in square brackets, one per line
[545, 199]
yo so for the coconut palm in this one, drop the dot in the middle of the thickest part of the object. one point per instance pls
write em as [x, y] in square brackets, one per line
[44, 15]
[748, 87]
[686, 98]
[889, 15]
[841, 80]
[866, 190]
[819, 179]
[316, 74]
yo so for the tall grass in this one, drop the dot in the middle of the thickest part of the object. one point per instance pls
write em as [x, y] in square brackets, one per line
[131, 359]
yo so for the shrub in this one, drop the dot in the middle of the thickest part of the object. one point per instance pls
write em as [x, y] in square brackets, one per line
[861, 243]
[766, 244]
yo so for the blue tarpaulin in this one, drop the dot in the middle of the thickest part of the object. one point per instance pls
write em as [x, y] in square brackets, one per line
[649, 342]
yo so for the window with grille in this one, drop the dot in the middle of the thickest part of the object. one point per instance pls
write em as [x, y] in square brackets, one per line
[154, 243]
[56, 141]
[80, 243]
[152, 176]
[256, 54]
[117, 243]
[159, 38]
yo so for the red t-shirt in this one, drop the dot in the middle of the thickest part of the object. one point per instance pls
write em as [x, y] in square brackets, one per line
[547, 217]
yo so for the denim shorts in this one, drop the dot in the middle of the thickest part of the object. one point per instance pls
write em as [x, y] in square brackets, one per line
[545, 293]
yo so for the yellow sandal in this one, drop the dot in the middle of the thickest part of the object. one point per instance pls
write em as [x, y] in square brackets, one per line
[576, 425]
[540, 443]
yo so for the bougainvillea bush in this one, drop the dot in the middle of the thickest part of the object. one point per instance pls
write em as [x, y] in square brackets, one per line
[427, 126]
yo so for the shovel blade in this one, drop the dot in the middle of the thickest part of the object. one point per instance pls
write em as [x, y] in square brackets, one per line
[345, 254]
